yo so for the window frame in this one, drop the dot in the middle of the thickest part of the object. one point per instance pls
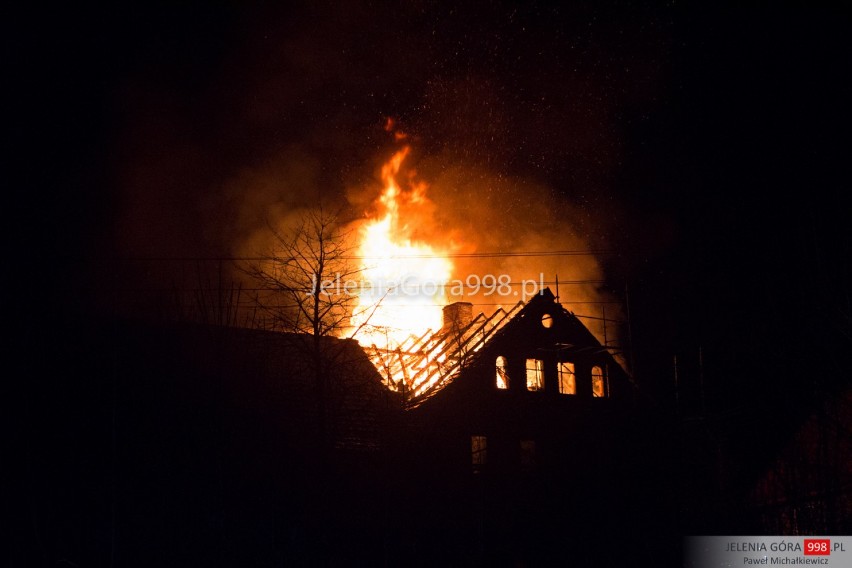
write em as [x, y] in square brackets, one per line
[528, 454]
[501, 373]
[478, 451]
[567, 377]
[538, 374]
[598, 379]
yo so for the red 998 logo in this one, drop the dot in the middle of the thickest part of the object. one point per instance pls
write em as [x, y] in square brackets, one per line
[817, 546]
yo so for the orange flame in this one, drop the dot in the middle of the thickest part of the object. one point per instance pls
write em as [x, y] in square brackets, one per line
[404, 278]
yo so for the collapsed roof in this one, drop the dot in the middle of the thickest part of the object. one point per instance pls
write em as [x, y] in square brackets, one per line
[422, 366]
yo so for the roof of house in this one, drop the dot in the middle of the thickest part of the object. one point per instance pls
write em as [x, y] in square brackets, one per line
[422, 366]
[269, 375]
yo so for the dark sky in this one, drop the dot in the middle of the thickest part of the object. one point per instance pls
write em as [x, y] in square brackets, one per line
[707, 145]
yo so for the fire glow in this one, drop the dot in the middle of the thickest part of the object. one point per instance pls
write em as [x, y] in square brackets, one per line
[386, 316]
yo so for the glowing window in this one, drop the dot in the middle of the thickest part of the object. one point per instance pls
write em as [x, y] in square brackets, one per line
[567, 378]
[547, 320]
[535, 376]
[478, 451]
[502, 374]
[598, 383]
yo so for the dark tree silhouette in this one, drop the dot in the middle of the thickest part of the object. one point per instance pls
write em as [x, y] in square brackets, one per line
[299, 289]
[296, 278]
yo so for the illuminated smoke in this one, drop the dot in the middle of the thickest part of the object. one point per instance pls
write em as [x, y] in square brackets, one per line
[488, 230]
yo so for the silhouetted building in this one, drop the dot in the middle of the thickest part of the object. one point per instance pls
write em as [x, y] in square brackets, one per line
[532, 448]
[207, 445]
[516, 438]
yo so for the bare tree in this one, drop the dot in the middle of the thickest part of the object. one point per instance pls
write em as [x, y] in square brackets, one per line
[300, 289]
[300, 279]
[305, 286]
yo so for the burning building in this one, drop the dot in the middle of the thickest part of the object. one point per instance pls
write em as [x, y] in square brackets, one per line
[414, 426]
[521, 432]
[558, 355]
[504, 421]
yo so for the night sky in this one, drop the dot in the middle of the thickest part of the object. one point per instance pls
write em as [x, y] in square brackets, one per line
[707, 146]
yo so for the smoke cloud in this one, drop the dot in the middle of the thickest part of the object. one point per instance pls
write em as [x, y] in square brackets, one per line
[513, 119]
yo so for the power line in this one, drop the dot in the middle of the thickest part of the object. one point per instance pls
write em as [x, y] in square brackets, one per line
[484, 289]
[492, 254]
[511, 302]
[360, 257]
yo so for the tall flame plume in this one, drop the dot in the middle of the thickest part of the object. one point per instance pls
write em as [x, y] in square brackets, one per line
[405, 278]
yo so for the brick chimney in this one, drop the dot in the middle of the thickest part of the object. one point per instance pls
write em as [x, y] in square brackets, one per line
[457, 316]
